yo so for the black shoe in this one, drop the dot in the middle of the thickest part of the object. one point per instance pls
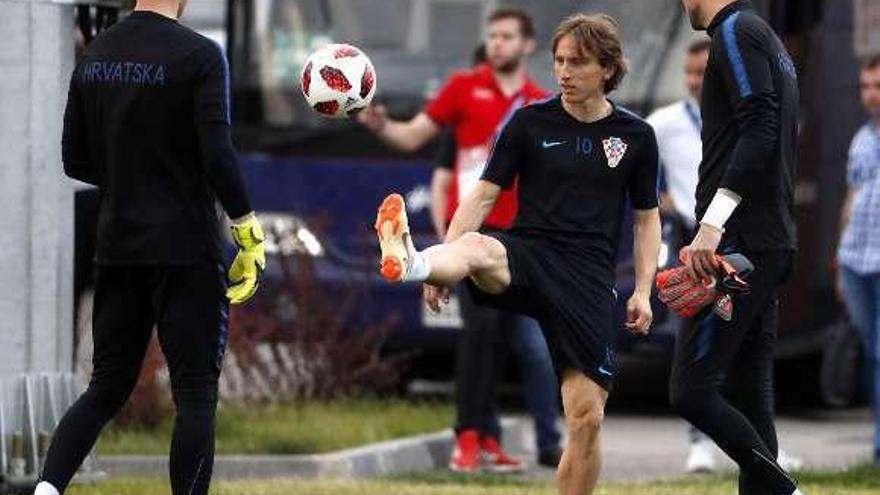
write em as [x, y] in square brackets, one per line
[550, 457]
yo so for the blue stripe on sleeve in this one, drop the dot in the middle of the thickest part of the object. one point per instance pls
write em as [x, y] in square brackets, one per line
[227, 100]
[736, 61]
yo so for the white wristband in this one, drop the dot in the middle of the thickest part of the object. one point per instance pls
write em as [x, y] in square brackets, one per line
[721, 207]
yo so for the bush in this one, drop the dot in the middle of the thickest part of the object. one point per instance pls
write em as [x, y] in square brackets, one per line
[296, 341]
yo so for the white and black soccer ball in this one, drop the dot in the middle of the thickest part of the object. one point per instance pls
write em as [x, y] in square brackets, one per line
[338, 81]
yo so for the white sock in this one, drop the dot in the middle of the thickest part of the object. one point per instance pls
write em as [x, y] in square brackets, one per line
[45, 488]
[419, 268]
[797, 491]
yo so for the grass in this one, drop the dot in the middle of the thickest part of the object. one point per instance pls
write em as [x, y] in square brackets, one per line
[858, 481]
[295, 429]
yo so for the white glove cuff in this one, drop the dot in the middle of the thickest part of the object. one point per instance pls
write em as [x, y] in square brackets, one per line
[721, 208]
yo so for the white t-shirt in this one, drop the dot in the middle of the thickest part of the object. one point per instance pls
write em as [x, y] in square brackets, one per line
[677, 127]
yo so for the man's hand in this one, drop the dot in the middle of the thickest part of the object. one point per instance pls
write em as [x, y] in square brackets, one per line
[374, 118]
[249, 263]
[687, 296]
[434, 295]
[667, 205]
[638, 313]
[699, 257]
[682, 293]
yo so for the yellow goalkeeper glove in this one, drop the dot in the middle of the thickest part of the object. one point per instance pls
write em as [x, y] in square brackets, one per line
[249, 263]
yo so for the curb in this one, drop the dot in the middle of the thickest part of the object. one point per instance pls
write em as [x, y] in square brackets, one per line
[418, 453]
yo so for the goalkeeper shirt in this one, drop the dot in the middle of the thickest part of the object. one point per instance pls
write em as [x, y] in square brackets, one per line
[147, 121]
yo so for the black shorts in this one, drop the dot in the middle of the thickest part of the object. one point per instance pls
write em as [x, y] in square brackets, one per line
[570, 296]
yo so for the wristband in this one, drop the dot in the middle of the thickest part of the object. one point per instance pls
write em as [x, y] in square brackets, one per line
[721, 208]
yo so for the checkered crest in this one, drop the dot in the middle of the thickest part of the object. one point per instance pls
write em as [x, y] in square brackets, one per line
[615, 148]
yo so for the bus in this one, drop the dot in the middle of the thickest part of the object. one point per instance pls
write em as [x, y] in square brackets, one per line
[316, 182]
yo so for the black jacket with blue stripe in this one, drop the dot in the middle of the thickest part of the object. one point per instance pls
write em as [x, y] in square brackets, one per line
[750, 130]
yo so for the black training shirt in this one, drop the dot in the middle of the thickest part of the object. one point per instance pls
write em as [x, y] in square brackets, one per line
[750, 128]
[573, 177]
[147, 121]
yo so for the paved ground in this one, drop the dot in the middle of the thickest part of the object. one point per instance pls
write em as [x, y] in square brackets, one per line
[651, 447]
[636, 447]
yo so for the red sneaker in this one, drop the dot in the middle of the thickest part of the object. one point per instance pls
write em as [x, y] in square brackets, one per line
[466, 455]
[495, 459]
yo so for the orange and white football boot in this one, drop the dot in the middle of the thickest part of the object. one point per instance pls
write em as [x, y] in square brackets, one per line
[395, 242]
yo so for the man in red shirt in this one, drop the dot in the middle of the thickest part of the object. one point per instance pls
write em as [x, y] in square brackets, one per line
[475, 104]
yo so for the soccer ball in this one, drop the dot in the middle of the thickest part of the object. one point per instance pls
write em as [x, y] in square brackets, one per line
[338, 81]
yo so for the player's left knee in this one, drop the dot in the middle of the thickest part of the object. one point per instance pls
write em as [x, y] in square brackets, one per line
[481, 251]
[583, 419]
[584, 423]
[584, 407]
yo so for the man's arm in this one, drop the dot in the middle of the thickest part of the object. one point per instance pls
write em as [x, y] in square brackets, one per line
[646, 248]
[845, 214]
[469, 216]
[846, 209]
[213, 126]
[659, 121]
[667, 204]
[406, 136]
[473, 210]
[440, 180]
[221, 166]
[642, 190]
[74, 140]
[749, 84]
[857, 148]
[442, 111]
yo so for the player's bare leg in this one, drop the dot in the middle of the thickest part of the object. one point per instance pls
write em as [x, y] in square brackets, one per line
[583, 402]
[480, 257]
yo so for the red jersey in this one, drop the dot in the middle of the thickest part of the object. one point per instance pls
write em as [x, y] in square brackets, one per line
[473, 104]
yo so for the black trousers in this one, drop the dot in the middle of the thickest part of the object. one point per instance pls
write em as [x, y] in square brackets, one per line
[710, 351]
[481, 354]
[188, 306]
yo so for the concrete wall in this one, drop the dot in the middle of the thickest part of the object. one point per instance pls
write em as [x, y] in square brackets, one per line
[36, 201]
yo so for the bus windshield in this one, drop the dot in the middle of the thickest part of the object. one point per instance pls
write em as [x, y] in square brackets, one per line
[415, 44]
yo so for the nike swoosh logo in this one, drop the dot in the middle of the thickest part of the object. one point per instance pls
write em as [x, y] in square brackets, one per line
[550, 144]
[605, 371]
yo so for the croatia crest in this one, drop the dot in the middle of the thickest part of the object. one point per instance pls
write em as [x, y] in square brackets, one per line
[615, 148]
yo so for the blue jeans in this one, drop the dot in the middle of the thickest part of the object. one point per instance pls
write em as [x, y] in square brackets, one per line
[540, 384]
[862, 294]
